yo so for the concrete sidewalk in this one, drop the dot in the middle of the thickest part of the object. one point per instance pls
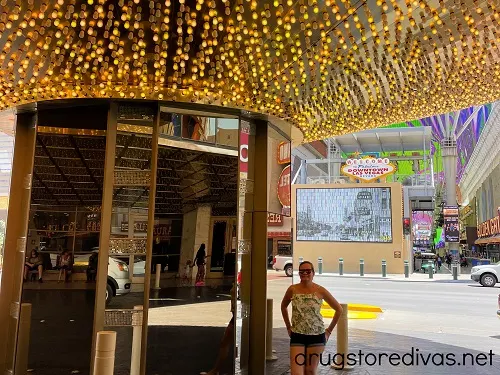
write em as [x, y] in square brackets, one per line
[419, 277]
[375, 345]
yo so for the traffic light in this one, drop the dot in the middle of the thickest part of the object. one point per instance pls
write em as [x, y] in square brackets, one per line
[406, 226]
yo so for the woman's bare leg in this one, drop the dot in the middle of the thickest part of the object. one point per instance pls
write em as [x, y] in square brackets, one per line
[297, 360]
[313, 354]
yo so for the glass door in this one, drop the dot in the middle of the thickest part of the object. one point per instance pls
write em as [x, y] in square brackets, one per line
[222, 245]
[218, 245]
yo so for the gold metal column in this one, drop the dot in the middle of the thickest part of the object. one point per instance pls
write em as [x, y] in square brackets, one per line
[150, 239]
[106, 212]
[258, 292]
[15, 239]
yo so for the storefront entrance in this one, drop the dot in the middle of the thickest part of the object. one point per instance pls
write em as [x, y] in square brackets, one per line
[115, 200]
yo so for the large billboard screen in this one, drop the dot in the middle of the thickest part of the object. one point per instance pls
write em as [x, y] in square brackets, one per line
[344, 215]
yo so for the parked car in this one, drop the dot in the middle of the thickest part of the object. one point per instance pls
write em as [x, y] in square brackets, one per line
[487, 274]
[285, 263]
[119, 282]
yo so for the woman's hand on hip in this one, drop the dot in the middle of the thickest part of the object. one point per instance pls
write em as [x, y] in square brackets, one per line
[327, 335]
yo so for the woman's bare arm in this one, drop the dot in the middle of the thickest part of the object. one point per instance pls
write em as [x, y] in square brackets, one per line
[334, 304]
[287, 298]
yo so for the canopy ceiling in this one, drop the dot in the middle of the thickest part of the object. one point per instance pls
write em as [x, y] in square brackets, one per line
[69, 172]
[330, 67]
[386, 140]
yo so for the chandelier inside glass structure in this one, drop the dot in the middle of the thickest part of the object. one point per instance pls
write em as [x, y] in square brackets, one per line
[329, 67]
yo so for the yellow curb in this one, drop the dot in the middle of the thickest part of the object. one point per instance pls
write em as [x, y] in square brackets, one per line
[355, 307]
[329, 313]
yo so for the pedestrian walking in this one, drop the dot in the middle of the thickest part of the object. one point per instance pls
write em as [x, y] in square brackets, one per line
[439, 263]
[200, 261]
[307, 332]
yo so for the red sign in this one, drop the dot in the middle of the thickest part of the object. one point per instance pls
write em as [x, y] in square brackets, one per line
[284, 187]
[274, 220]
[243, 152]
[284, 153]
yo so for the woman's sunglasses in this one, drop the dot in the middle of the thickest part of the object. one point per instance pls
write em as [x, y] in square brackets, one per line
[305, 272]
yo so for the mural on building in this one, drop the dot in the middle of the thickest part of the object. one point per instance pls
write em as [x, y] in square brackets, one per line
[469, 125]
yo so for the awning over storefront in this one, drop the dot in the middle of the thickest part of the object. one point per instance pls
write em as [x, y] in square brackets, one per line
[488, 240]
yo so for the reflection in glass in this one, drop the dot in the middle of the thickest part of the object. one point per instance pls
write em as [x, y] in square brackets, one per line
[6, 152]
[198, 128]
[215, 130]
[64, 225]
[195, 204]
[170, 124]
[129, 223]
[227, 132]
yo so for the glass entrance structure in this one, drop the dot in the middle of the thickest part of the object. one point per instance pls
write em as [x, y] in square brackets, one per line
[110, 202]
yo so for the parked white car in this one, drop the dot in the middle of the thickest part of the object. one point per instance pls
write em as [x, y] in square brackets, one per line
[487, 274]
[119, 282]
[282, 262]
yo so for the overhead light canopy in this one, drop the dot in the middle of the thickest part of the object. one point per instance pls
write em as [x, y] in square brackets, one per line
[329, 67]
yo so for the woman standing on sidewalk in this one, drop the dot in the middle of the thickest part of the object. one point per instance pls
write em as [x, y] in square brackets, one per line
[199, 260]
[307, 332]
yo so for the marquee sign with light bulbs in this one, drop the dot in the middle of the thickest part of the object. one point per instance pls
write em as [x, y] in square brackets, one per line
[368, 169]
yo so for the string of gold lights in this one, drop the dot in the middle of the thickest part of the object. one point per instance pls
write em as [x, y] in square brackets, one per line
[329, 67]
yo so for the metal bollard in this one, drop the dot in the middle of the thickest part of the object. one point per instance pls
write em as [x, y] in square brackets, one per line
[157, 277]
[135, 360]
[407, 269]
[454, 271]
[269, 332]
[384, 268]
[320, 265]
[431, 272]
[361, 267]
[23, 343]
[341, 266]
[342, 338]
[104, 363]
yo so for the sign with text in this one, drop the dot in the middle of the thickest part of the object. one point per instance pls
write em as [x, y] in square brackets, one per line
[244, 137]
[162, 230]
[284, 187]
[368, 169]
[274, 220]
[284, 153]
[489, 228]
[451, 226]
